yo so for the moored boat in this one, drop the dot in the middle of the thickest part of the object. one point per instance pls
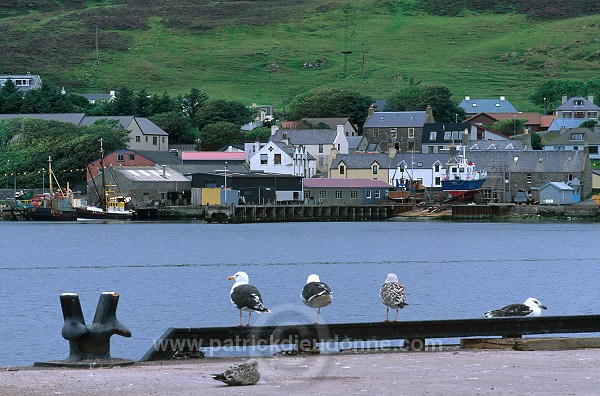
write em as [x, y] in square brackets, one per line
[462, 179]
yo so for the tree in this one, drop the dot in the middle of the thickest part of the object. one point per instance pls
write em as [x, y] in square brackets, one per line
[589, 124]
[177, 125]
[510, 127]
[192, 102]
[163, 104]
[418, 97]
[143, 107]
[260, 133]
[10, 98]
[330, 103]
[549, 94]
[220, 134]
[123, 104]
[216, 110]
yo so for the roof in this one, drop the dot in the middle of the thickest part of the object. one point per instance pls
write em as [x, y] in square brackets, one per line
[213, 156]
[333, 122]
[529, 161]
[305, 137]
[354, 141]
[589, 137]
[190, 169]
[123, 120]
[496, 105]
[531, 117]
[569, 105]
[440, 128]
[365, 160]
[393, 119]
[72, 118]
[148, 127]
[344, 183]
[35, 81]
[97, 96]
[568, 123]
[150, 173]
[558, 185]
[160, 157]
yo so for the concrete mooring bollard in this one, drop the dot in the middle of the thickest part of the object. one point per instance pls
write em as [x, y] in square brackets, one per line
[89, 345]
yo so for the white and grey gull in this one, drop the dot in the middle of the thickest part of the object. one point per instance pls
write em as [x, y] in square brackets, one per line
[245, 297]
[393, 295]
[531, 307]
[316, 294]
[240, 374]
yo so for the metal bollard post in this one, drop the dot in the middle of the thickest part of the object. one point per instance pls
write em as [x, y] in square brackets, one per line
[90, 342]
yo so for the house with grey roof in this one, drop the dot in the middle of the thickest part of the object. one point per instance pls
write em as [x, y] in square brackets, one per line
[497, 105]
[357, 143]
[146, 185]
[576, 139]
[557, 193]
[317, 142]
[566, 123]
[528, 170]
[23, 82]
[278, 157]
[395, 168]
[402, 130]
[333, 122]
[344, 191]
[94, 98]
[438, 136]
[577, 107]
[144, 134]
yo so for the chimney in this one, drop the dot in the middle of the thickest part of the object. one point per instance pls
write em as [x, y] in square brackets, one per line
[429, 115]
[465, 137]
[370, 111]
[564, 99]
[164, 171]
[467, 98]
[274, 129]
[591, 99]
[502, 98]
[112, 93]
[340, 131]
[526, 140]
[563, 130]
[452, 149]
[256, 145]
[391, 150]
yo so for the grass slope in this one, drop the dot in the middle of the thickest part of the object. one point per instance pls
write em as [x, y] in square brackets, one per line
[254, 51]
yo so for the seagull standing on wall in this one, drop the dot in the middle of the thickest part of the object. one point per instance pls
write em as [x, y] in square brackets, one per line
[393, 295]
[245, 297]
[531, 307]
[316, 294]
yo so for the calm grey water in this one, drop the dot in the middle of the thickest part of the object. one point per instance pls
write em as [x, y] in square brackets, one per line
[175, 274]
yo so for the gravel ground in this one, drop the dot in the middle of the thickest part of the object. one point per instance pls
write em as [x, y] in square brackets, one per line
[450, 372]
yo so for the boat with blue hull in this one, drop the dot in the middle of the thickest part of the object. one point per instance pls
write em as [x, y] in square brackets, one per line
[463, 179]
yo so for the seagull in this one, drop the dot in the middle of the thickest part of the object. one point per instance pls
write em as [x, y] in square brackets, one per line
[245, 297]
[393, 295]
[531, 307]
[240, 374]
[316, 294]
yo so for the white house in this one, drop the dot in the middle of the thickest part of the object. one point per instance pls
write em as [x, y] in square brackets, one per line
[277, 157]
[316, 142]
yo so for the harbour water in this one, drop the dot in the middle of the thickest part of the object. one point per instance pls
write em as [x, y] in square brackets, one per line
[175, 274]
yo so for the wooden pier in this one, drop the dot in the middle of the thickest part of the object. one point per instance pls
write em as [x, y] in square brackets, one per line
[177, 340]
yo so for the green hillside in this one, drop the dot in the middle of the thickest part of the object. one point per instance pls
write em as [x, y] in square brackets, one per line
[260, 51]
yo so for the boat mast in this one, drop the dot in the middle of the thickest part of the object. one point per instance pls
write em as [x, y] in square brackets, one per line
[103, 201]
[50, 174]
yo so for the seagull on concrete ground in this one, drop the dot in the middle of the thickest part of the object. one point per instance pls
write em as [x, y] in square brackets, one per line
[240, 374]
[393, 294]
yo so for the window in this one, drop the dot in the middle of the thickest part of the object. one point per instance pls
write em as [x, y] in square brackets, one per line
[120, 157]
[447, 135]
[436, 168]
[376, 133]
[320, 149]
[342, 169]
[529, 178]
[455, 135]
[163, 139]
[263, 159]
[21, 83]
[411, 146]
[430, 149]
[306, 194]
[593, 149]
[393, 133]
[375, 168]
[146, 139]
[567, 114]
[137, 139]
[432, 136]
[155, 140]
[323, 194]
[377, 193]
[339, 194]
[437, 181]
[570, 177]
[131, 157]
[592, 114]
[411, 133]
[578, 102]
[277, 159]
[368, 194]
[354, 194]
[577, 136]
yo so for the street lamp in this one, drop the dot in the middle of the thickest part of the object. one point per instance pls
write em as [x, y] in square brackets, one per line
[514, 125]
[43, 180]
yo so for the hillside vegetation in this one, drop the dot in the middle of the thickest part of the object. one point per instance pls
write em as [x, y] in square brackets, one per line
[268, 51]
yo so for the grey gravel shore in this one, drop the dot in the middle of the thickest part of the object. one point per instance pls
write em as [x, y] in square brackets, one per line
[450, 372]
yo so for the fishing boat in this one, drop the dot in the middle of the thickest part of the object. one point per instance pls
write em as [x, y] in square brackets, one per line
[462, 179]
[112, 204]
[55, 205]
